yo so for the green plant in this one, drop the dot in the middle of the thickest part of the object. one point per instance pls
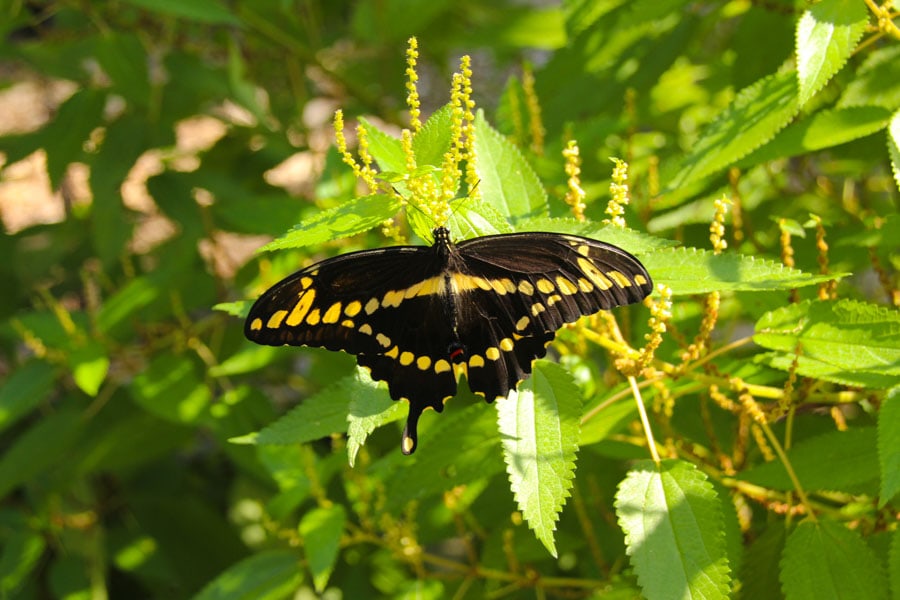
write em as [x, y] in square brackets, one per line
[769, 368]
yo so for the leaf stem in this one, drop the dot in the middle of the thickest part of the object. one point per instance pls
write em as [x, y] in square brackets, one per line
[644, 420]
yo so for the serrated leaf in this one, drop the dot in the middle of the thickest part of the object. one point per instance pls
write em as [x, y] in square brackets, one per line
[433, 139]
[758, 112]
[384, 148]
[476, 217]
[350, 218]
[827, 33]
[695, 271]
[267, 575]
[539, 431]
[893, 142]
[321, 530]
[823, 129]
[506, 180]
[824, 559]
[460, 447]
[24, 389]
[835, 461]
[171, 388]
[318, 416]
[370, 408]
[846, 341]
[877, 81]
[889, 446]
[673, 531]
[634, 241]
[66, 134]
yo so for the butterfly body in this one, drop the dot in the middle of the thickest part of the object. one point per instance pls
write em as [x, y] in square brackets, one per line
[418, 317]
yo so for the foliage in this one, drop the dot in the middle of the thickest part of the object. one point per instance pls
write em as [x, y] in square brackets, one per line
[148, 450]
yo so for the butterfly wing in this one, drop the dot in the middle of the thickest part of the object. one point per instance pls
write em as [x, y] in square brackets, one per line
[353, 303]
[539, 282]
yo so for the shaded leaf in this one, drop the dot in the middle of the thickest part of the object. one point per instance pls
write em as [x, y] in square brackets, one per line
[268, 575]
[38, 449]
[889, 446]
[818, 548]
[23, 390]
[370, 407]
[320, 530]
[202, 11]
[894, 146]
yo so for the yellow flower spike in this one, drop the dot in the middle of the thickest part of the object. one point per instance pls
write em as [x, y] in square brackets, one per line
[467, 122]
[827, 290]
[717, 227]
[412, 91]
[366, 172]
[575, 194]
[787, 253]
[533, 105]
[660, 314]
[618, 190]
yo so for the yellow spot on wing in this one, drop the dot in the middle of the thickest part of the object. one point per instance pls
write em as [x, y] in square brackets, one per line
[371, 306]
[476, 361]
[526, 288]
[584, 285]
[275, 320]
[256, 324]
[522, 323]
[584, 250]
[352, 309]
[640, 279]
[441, 366]
[566, 286]
[545, 285]
[393, 298]
[537, 308]
[305, 282]
[423, 362]
[301, 308]
[332, 314]
[348, 323]
[460, 282]
[594, 274]
[383, 340]
[492, 353]
[619, 278]
[553, 299]
[313, 317]
[407, 358]
[365, 328]
[393, 352]
[506, 344]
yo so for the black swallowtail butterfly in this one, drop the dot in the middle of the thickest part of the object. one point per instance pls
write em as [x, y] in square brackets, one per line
[419, 316]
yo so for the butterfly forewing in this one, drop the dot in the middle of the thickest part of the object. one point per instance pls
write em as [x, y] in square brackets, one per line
[418, 317]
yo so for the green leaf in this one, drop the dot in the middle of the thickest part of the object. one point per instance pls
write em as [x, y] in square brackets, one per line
[847, 341]
[759, 570]
[824, 559]
[506, 180]
[20, 556]
[460, 446]
[268, 575]
[24, 389]
[893, 143]
[894, 564]
[65, 135]
[889, 446]
[432, 141]
[756, 115]
[827, 33]
[476, 217]
[370, 408]
[124, 60]
[673, 531]
[41, 447]
[384, 148]
[695, 271]
[201, 11]
[844, 461]
[245, 360]
[318, 416]
[539, 432]
[610, 420]
[877, 81]
[320, 530]
[350, 218]
[171, 388]
[823, 129]
[89, 366]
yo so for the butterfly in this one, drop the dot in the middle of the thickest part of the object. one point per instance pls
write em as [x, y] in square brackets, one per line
[418, 317]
